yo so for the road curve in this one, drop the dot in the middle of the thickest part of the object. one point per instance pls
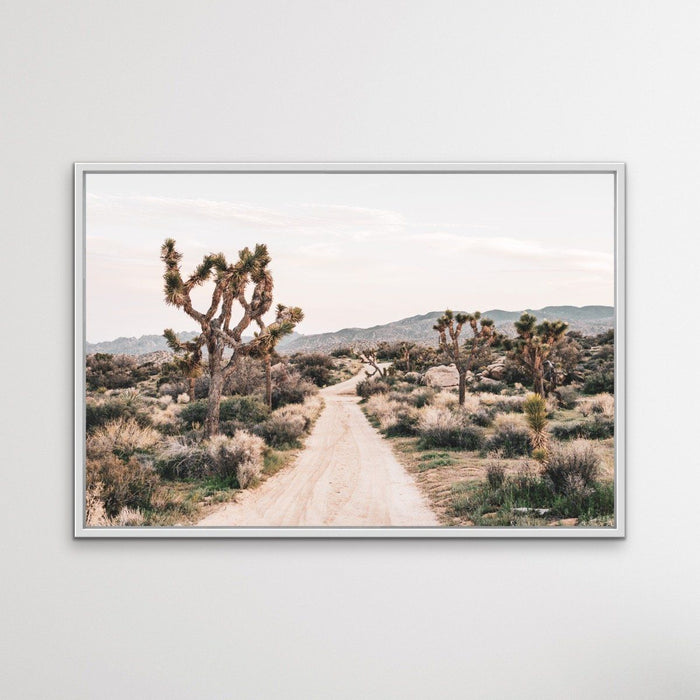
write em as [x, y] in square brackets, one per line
[347, 476]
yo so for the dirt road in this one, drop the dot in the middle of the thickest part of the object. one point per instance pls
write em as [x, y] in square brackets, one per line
[346, 476]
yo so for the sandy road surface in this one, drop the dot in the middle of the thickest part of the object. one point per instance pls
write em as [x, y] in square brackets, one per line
[346, 476]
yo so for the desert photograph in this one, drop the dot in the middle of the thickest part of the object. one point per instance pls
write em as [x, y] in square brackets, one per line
[349, 350]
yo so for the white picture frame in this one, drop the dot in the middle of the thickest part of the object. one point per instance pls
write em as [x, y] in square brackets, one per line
[82, 170]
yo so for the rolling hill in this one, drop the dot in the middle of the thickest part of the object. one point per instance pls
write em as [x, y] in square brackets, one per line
[419, 329]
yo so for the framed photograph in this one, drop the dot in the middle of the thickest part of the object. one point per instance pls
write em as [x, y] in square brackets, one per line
[349, 350]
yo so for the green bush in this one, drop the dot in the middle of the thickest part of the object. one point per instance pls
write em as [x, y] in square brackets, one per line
[598, 428]
[439, 427]
[98, 413]
[599, 382]
[510, 438]
[247, 410]
[315, 366]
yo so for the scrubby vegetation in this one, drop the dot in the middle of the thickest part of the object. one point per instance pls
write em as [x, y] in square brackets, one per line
[510, 457]
[522, 435]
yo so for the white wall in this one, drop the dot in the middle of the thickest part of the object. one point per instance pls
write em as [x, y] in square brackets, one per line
[349, 81]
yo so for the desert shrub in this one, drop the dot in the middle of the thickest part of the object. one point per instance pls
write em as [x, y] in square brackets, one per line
[123, 437]
[284, 427]
[237, 459]
[248, 378]
[567, 397]
[495, 475]
[483, 417]
[179, 458]
[573, 469]
[395, 418]
[494, 500]
[371, 386]
[490, 386]
[315, 366]
[598, 428]
[120, 483]
[602, 381]
[448, 400]
[511, 437]
[247, 410]
[404, 423]
[104, 371]
[126, 405]
[440, 427]
[502, 404]
[601, 404]
[288, 386]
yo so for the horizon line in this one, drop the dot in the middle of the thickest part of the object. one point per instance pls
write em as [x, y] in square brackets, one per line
[376, 325]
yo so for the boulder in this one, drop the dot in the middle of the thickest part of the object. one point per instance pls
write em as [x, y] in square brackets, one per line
[496, 369]
[442, 376]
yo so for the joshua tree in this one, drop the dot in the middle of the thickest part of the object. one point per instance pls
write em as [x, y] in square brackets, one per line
[406, 349]
[187, 362]
[483, 335]
[267, 338]
[218, 335]
[534, 349]
[369, 357]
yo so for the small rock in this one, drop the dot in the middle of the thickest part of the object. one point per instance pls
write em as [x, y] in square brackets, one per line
[564, 522]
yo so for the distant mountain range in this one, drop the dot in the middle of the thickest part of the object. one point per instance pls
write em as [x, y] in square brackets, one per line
[589, 320]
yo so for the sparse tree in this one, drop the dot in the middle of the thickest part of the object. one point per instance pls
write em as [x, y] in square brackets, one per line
[406, 351]
[449, 327]
[267, 338]
[187, 362]
[534, 350]
[369, 357]
[218, 335]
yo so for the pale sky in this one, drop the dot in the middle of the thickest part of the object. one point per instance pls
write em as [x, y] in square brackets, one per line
[353, 250]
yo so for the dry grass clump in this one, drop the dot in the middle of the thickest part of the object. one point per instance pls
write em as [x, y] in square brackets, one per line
[573, 469]
[600, 404]
[394, 417]
[239, 457]
[511, 437]
[445, 400]
[123, 437]
[502, 403]
[440, 427]
[286, 425]
[181, 458]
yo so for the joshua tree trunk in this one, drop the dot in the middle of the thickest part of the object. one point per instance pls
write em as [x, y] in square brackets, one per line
[216, 385]
[462, 387]
[539, 385]
[192, 381]
[268, 382]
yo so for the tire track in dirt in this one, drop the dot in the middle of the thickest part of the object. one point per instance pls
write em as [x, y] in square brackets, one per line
[347, 476]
